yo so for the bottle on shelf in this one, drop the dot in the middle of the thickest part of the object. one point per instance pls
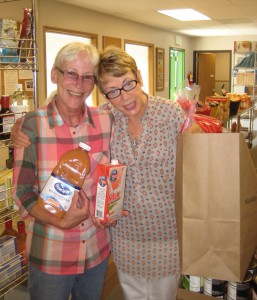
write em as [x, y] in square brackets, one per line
[9, 161]
[6, 118]
[19, 103]
[21, 241]
[66, 178]
[21, 237]
[9, 230]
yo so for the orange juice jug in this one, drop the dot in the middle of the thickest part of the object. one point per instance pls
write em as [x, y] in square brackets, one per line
[66, 178]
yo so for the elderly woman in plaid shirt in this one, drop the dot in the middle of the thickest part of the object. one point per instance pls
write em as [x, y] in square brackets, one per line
[68, 255]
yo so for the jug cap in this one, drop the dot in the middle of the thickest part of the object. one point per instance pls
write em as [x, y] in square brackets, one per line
[84, 146]
[114, 161]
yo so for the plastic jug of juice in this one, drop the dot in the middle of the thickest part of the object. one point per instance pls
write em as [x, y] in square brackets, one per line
[66, 178]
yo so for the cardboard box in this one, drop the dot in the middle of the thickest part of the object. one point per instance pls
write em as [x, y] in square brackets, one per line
[8, 248]
[110, 190]
[216, 205]
[10, 270]
[5, 188]
[242, 46]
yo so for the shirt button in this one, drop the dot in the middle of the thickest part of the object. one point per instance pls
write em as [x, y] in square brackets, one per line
[82, 224]
[83, 242]
[74, 132]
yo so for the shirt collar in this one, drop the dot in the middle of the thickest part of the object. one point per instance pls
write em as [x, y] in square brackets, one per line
[55, 119]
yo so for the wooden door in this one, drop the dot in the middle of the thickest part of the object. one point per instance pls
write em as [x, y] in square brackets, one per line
[206, 74]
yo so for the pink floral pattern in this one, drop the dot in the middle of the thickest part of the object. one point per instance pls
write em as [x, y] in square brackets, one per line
[145, 243]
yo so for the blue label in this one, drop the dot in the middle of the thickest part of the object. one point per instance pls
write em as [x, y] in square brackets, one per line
[62, 189]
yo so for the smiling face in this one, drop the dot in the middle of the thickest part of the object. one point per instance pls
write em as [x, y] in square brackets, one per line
[131, 103]
[71, 94]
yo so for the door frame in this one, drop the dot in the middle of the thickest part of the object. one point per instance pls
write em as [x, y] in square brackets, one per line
[181, 71]
[195, 55]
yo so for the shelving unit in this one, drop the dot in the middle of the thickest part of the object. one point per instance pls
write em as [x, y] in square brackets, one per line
[29, 62]
[245, 118]
[245, 81]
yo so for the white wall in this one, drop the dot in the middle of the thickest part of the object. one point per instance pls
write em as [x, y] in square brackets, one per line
[219, 43]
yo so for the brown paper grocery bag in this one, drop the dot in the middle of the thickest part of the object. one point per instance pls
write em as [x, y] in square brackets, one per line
[216, 205]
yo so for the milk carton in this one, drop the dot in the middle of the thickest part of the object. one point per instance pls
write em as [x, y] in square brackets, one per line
[110, 190]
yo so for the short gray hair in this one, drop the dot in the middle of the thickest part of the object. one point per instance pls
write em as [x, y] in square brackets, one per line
[71, 51]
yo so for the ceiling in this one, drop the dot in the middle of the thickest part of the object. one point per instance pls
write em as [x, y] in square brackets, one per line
[229, 17]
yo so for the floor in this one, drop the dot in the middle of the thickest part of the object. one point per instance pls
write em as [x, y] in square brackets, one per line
[116, 294]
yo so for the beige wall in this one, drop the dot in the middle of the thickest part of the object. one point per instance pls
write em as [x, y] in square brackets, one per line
[54, 14]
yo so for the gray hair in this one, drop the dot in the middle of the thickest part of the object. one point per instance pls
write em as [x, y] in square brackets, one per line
[71, 51]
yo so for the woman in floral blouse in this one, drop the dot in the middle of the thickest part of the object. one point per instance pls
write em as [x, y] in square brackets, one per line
[145, 243]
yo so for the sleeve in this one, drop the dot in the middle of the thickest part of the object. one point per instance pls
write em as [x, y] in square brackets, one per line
[178, 116]
[25, 186]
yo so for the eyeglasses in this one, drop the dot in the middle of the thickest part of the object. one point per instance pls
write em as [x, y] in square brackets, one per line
[73, 76]
[129, 86]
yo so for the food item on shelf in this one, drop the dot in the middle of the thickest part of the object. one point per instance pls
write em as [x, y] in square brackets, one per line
[214, 287]
[8, 44]
[193, 283]
[19, 102]
[25, 42]
[242, 46]
[21, 237]
[5, 190]
[10, 270]
[8, 248]
[66, 178]
[234, 104]
[245, 100]
[110, 190]
[6, 118]
[240, 290]
[202, 108]
[219, 107]
[21, 240]
[9, 230]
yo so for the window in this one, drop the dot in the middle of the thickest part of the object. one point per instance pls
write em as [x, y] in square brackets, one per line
[143, 55]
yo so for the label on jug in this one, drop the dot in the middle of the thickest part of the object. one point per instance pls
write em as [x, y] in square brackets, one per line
[58, 192]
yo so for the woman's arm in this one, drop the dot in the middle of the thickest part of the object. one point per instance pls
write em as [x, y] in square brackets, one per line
[18, 138]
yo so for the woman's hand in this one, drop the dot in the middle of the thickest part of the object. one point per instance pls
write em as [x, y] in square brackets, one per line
[77, 213]
[18, 138]
[110, 222]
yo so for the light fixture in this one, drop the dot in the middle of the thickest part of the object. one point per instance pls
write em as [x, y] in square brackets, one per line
[186, 14]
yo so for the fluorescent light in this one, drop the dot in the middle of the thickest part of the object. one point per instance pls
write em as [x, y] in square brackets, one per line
[187, 14]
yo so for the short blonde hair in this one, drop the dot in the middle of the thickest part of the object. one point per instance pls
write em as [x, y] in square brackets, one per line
[115, 62]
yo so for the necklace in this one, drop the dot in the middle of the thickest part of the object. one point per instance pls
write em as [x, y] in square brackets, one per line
[135, 142]
[135, 135]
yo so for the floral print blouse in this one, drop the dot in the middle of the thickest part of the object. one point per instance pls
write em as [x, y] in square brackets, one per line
[145, 244]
